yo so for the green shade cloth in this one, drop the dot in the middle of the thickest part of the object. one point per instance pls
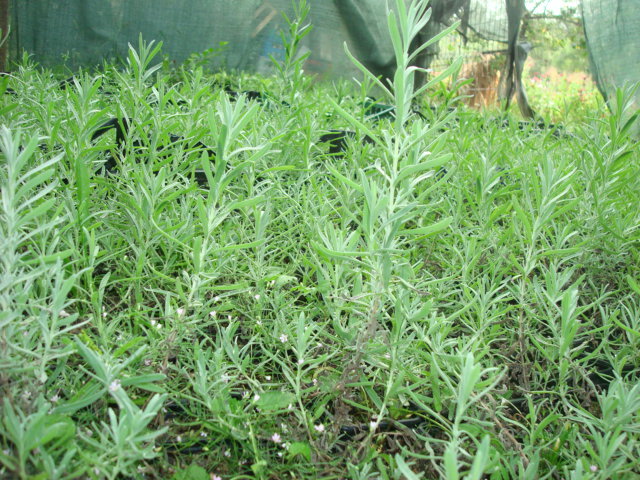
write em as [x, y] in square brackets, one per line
[612, 30]
[85, 32]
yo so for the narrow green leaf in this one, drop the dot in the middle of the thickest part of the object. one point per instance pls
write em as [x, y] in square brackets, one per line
[367, 73]
[196, 253]
[88, 394]
[429, 230]
[480, 460]
[357, 124]
[275, 400]
[49, 259]
[333, 253]
[357, 187]
[239, 246]
[129, 345]
[59, 428]
[633, 284]
[143, 379]
[248, 203]
[405, 469]
[636, 333]
[36, 212]
[430, 164]
[451, 461]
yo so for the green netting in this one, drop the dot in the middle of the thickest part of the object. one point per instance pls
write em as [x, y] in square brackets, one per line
[489, 19]
[85, 32]
[612, 29]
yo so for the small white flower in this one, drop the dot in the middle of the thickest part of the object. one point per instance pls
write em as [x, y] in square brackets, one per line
[319, 428]
[178, 439]
[55, 398]
[280, 454]
[216, 298]
[290, 407]
[203, 434]
[256, 397]
[315, 382]
[180, 311]
[300, 361]
[104, 314]
[259, 322]
[373, 425]
[212, 314]
[257, 296]
[147, 362]
[276, 438]
[115, 385]
[64, 314]
[89, 433]
[267, 377]
[153, 323]
[159, 326]
[284, 338]
[225, 378]
[229, 317]
[593, 468]
[227, 453]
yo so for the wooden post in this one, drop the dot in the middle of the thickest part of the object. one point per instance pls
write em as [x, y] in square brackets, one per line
[4, 25]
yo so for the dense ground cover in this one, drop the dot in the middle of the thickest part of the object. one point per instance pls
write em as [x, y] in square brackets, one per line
[455, 297]
[565, 97]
